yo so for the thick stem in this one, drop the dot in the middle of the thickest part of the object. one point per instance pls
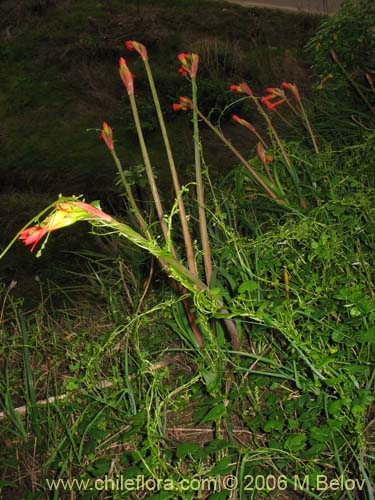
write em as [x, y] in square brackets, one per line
[176, 183]
[172, 267]
[149, 172]
[255, 174]
[308, 126]
[200, 191]
[128, 191]
[289, 165]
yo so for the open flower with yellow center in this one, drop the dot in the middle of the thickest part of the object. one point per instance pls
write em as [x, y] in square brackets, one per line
[65, 214]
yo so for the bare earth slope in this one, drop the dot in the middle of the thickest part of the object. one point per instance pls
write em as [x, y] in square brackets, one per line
[324, 7]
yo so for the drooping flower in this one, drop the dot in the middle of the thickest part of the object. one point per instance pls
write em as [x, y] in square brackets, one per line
[126, 76]
[184, 104]
[91, 210]
[32, 235]
[293, 88]
[243, 122]
[279, 93]
[273, 93]
[242, 88]
[106, 135]
[189, 64]
[271, 105]
[65, 214]
[141, 49]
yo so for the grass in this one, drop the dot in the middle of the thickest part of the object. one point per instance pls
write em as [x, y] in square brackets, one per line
[140, 402]
[106, 392]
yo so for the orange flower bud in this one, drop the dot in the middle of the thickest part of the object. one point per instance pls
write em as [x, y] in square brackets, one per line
[126, 76]
[141, 49]
[106, 135]
[184, 104]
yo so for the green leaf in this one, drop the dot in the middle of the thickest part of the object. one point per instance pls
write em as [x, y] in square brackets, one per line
[215, 413]
[321, 434]
[295, 442]
[100, 468]
[273, 424]
[247, 286]
[211, 379]
[314, 451]
[221, 495]
[334, 407]
[292, 423]
[222, 467]
[185, 449]
[8, 484]
[163, 495]
[368, 335]
[217, 445]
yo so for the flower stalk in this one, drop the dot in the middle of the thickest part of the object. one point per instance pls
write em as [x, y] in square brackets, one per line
[107, 136]
[271, 190]
[128, 80]
[200, 186]
[172, 166]
[294, 89]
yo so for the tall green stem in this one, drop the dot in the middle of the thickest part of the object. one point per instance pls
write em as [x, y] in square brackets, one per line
[175, 270]
[258, 177]
[129, 193]
[289, 165]
[308, 126]
[200, 190]
[176, 183]
[149, 172]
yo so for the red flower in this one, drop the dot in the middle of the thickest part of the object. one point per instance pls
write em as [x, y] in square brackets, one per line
[262, 154]
[293, 88]
[243, 122]
[65, 214]
[32, 235]
[182, 71]
[189, 64]
[106, 135]
[96, 212]
[273, 93]
[184, 105]
[141, 49]
[272, 105]
[126, 76]
[242, 88]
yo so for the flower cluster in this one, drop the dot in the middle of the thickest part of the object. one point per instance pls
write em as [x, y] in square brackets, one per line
[189, 64]
[273, 93]
[279, 94]
[242, 88]
[65, 214]
[141, 49]
[293, 88]
[184, 104]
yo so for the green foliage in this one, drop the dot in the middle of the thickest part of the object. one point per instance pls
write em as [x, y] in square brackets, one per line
[350, 33]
